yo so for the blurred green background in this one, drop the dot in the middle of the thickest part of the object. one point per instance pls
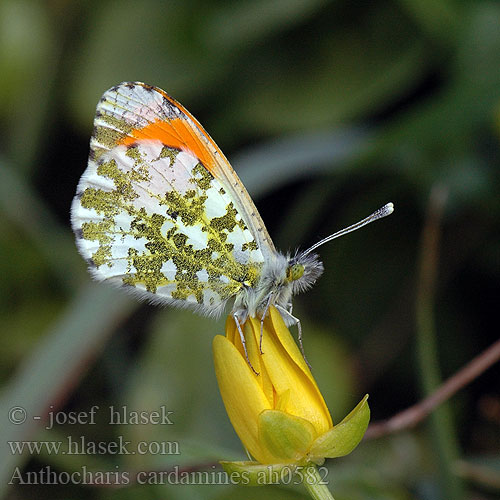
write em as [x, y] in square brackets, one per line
[327, 110]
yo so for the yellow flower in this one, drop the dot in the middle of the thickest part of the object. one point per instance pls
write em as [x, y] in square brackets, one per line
[279, 415]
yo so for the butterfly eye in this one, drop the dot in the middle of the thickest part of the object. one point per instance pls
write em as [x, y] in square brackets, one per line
[294, 272]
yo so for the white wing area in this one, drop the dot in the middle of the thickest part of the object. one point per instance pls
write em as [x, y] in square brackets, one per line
[132, 106]
[153, 219]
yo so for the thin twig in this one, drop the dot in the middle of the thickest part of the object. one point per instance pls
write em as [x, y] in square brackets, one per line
[412, 416]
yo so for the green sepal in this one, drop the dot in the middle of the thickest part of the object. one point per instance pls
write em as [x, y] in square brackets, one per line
[341, 439]
[256, 474]
[285, 436]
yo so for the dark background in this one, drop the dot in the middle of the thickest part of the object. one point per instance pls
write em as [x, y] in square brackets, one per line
[327, 110]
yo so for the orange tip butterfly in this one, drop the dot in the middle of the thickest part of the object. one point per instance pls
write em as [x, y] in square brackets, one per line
[160, 211]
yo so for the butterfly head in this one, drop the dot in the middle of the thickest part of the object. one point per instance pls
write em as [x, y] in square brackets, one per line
[303, 270]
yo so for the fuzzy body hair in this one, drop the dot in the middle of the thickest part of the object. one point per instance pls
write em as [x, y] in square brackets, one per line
[275, 288]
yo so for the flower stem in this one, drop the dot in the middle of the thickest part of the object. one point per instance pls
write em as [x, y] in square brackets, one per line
[315, 484]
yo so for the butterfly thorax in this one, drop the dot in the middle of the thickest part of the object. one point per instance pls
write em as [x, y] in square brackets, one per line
[282, 277]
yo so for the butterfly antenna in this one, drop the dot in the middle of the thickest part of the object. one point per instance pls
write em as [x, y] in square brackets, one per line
[378, 214]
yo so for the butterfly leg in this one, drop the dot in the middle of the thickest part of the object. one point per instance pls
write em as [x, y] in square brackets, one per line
[243, 342]
[262, 318]
[288, 312]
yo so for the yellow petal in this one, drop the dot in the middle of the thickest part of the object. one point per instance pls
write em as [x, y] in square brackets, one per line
[252, 336]
[232, 333]
[286, 339]
[288, 372]
[253, 350]
[242, 395]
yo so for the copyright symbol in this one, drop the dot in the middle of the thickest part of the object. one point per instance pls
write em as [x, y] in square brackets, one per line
[17, 415]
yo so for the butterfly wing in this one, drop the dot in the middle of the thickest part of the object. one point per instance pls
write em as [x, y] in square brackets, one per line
[160, 210]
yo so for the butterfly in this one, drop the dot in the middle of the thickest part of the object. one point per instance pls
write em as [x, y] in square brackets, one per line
[160, 211]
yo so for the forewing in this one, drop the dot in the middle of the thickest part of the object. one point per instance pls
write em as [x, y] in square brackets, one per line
[150, 214]
[149, 112]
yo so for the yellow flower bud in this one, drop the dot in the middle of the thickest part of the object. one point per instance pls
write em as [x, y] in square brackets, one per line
[279, 415]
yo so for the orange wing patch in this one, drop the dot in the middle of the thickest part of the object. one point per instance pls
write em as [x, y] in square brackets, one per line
[177, 134]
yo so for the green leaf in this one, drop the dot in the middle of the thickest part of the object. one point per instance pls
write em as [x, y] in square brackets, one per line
[344, 437]
[285, 435]
[255, 474]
